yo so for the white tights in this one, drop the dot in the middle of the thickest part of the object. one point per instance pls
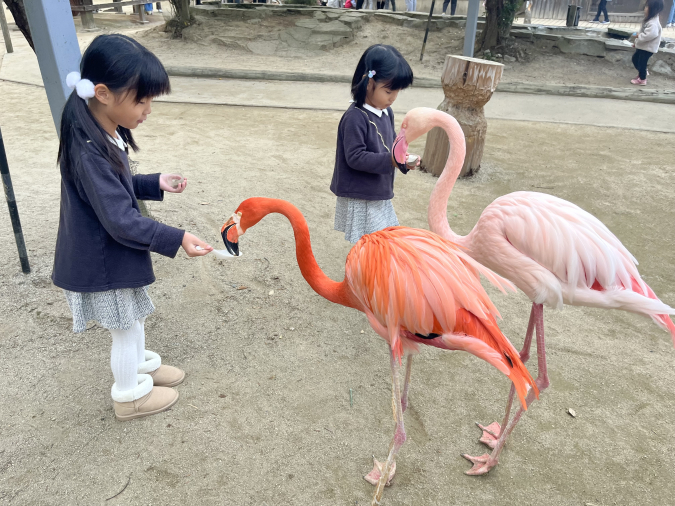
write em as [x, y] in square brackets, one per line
[128, 351]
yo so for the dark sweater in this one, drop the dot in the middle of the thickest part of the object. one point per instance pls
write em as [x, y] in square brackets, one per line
[104, 242]
[363, 166]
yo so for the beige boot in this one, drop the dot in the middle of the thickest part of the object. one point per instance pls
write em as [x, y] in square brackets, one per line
[162, 375]
[144, 400]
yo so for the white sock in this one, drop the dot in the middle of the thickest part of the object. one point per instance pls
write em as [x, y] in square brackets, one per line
[124, 356]
[141, 343]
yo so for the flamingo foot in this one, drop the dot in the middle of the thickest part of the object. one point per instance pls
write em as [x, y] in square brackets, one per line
[490, 435]
[481, 465]
[374, 476]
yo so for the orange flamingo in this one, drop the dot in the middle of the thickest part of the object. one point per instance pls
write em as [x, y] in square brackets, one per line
[551, 249]
[414, 287]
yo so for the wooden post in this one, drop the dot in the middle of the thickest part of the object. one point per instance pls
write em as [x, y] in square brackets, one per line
[5, 29]
[87, 17]
[468, 84]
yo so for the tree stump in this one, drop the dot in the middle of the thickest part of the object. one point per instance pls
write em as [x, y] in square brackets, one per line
[468, 84]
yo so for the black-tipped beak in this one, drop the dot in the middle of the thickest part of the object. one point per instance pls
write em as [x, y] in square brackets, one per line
[232, 247]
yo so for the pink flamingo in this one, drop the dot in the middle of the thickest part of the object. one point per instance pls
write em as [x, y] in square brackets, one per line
[414, 287]
[551, 249]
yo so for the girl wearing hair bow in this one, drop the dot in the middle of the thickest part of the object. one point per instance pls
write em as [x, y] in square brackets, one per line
[102, 258]
[363, 178]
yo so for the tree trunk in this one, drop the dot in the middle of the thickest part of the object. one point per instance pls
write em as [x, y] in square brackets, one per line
[499, 18]
[182, 19]
[19, 15]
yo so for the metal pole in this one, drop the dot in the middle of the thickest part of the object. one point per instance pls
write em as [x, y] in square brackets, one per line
[5, 29]
[424, 44]
[51, 24]
[13, 210]
[471, 23]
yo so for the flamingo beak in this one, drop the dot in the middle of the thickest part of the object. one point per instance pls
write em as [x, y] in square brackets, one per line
[230, 234]
[400, 148]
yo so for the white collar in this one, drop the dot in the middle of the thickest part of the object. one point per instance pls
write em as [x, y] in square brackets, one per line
[117, 141]
[375, 111]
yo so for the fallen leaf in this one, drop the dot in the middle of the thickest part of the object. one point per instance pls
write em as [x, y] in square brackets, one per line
[222, 396]
[242, 287]
[271, 292]
[572, 412]
[204, 203]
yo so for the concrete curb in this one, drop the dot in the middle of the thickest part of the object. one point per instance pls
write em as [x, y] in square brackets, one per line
[634, 94]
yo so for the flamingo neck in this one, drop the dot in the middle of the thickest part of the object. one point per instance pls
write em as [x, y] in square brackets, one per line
[333, 291]
[437, 215]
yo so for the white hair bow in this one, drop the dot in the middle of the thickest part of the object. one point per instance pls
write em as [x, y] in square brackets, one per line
[84, 87]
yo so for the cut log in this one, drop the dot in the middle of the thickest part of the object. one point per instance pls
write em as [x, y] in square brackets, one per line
[468, 84]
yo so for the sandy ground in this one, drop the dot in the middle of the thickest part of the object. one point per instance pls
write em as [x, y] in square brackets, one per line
[216, 43]
[264, 416]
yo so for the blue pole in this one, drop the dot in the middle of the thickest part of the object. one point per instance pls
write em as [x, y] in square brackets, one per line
[471, 24]
[53, 30]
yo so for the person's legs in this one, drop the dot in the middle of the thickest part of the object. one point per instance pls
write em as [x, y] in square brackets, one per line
[671, 17]
[445, 5]
[636, 56]
[603, 3]
[124, 356]
[453, 7]
[359, 4]
[140, 342]
[644, 59]
[134, 392]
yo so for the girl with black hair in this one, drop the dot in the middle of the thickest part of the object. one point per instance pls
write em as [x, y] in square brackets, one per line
[363, 177]
[102, 258]
[647, 41]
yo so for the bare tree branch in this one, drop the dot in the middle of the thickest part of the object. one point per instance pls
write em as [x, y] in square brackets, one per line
[19, 15]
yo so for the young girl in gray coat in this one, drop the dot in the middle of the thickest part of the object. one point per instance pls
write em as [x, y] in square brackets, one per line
[647, 41]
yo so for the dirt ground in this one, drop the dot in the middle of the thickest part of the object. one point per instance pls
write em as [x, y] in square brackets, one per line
[242, 45]
[264, 416]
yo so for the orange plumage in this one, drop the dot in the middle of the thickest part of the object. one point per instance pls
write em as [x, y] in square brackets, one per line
[414, 287]
[409, 283]
[414, 283]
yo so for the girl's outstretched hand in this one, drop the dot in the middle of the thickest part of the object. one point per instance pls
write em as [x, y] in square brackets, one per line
[195, 247]
[172, 183]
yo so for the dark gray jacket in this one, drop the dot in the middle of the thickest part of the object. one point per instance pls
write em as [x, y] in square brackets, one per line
[104, 242]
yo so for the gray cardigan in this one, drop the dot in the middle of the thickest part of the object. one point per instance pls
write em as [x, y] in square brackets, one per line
[649, 37]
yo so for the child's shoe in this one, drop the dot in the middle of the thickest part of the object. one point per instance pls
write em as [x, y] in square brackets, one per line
[639, 82]
[144, 400]
[162, 375]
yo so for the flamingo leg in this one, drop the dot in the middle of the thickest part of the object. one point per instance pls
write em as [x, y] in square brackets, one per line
[406, 383]
[491, 433]
[483, 464]
[386, 470]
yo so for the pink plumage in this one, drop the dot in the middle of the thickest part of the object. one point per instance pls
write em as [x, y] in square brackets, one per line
[551, 249]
